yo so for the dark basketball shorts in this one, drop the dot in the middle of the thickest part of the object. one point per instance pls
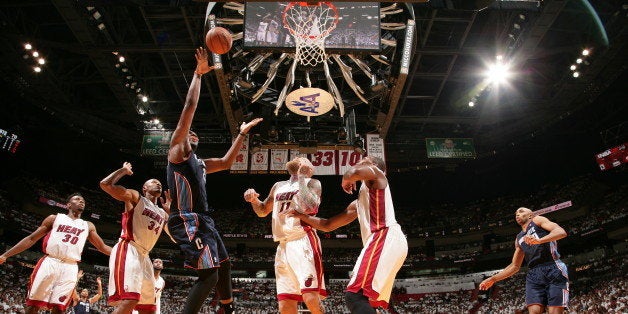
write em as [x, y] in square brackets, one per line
[548, 285]
[198, 239]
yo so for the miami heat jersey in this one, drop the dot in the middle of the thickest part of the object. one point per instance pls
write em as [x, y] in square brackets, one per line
[285, 198]
[67, 238]
[143, 224]
[375, 210]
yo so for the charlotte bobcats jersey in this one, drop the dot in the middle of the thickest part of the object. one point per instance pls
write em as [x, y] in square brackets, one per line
[284, 227]
[375, 210]
[143, 224]
[188, 180]
[159, 287]
[67, 238]
[82, 307]
[538, 253]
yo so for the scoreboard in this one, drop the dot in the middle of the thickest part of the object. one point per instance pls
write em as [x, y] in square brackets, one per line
[612, 157]
[9, 142]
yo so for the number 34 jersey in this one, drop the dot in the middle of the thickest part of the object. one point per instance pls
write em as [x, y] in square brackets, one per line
[143, 224]
[66, 239]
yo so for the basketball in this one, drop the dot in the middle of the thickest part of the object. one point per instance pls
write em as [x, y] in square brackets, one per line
[218, 40]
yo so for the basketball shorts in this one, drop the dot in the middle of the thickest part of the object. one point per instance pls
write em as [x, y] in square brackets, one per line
[131, 276]
[548, 285]
[52, 283]
[198, 239]
[380, 260]
[299, 267]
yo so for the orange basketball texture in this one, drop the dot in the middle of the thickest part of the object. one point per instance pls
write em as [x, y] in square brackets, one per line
[218, 40]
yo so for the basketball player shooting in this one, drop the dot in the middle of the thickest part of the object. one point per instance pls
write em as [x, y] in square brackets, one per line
[190, 224]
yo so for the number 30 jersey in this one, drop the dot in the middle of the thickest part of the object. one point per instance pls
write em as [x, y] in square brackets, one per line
[143, 224]
[66, 239]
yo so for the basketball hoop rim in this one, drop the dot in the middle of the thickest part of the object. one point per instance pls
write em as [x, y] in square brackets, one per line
[309, 4]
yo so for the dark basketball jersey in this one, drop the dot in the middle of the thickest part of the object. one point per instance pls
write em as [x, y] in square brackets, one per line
[538, 253]
[187, 180]
[82, 307]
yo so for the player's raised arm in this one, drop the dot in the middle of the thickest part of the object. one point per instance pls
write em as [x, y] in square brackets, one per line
[367, 170]
[179, 146]
[120, 193]
[29, 240]
[96, 240]
[218, 164]
[98, 295]
[329, 224]
[309, 194]
[261, 208]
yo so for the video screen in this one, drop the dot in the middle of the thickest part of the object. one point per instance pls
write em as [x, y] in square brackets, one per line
[358, 27]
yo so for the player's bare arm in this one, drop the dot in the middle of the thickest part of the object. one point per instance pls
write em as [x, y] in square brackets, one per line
[96, 240]
[309, 193]
[180, 148]
[129, 196]
[98, 295]
[367, 172]
[556, 232]
[511, 269]
[261, 208]
[165, 201]
[329, 224]
[218, 164]
[29, 240]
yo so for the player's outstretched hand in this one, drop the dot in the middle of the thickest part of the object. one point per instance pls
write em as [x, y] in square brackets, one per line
[245, 127]
[128, 168]
[165, 201]
[99, 281]
[486, 283]
[348, 186]
[2, 259]
[202, 63]
[250, 195]
[306, 169]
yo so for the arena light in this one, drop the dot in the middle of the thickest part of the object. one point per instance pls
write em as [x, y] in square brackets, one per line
[579, 60]
[497, 73]
[28, 46]
[155, 121]
[121, 59]
[37, 69]
[101, 26]
[35, 54]
[572, 67]
[41, 61]
[144, 99]
[576, 74]
[585, 52]
[471, 103]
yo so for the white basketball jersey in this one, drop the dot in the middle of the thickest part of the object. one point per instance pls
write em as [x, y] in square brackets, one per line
[375, 210]
[143, 224]
[67, 238]
[159, 287]
[284, 227]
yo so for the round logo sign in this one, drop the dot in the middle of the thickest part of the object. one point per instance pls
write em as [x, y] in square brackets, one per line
[309, 102]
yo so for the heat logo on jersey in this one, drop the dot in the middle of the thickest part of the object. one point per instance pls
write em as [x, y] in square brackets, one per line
[70, 229]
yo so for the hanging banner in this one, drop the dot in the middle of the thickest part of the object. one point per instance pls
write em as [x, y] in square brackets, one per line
[278, 159]
[450, 148]
[294, 153]
[259, 161]
[325, 162]
[375, 146]
[347, 159]
[240, 165]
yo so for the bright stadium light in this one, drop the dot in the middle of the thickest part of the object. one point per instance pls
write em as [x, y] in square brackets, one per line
[572, 67]
[497, 73]
[144, 99]
[471, 103]
[37, 69]
[41, 61]
[576, 74]
[579, 60]
[585, 52]
[28, 46]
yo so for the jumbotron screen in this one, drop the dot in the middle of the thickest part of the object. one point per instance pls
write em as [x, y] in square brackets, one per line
[358, 27]
[612, 157]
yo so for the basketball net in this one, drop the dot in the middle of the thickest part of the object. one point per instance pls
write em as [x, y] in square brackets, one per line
[309, 24]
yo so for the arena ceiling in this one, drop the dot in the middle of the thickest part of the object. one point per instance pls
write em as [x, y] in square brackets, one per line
[84, 85]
